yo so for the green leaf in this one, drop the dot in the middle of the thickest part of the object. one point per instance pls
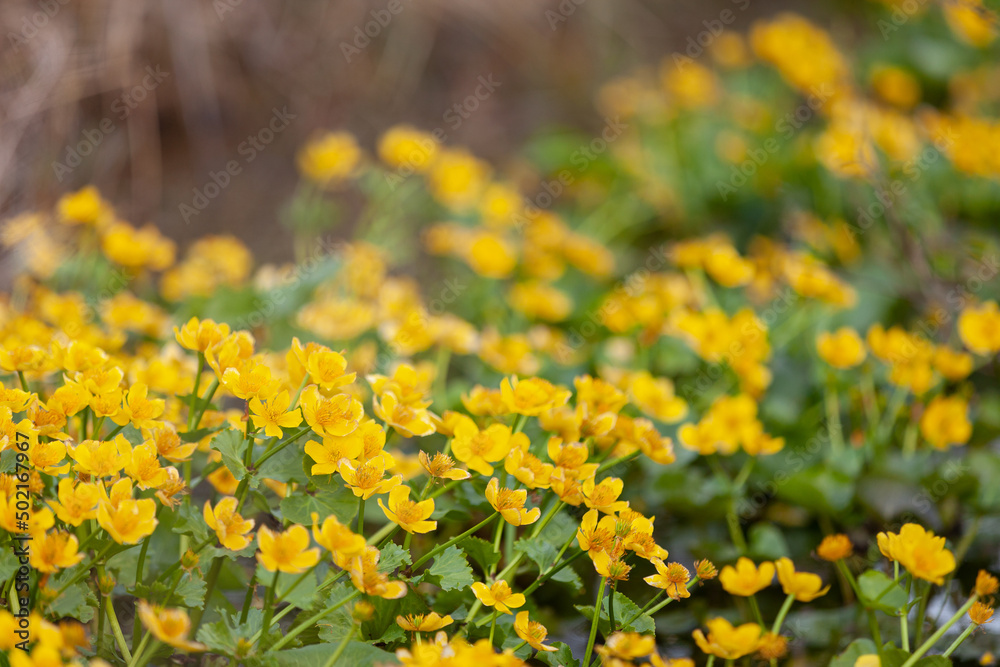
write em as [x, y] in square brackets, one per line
[872, 584]
[191, 436]
[285, 466]
[451, 570]
[819, 489]
[8, 563]
[544, 553]
[625, 609]
[191, 589]
[338, 501]
[481, 552]
[391, 557]
[857, 648]
[223, 635]
[767, 542]
[356, 654]
[76, 602]
[561, 657]
[335, 626]
[231, 445]
[190, 521]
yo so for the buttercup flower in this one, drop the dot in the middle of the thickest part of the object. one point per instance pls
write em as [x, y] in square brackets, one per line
[232, 529]
[170, 626]
[746, 579]
[286, 551]
[805, 586]
[409, 515]
[510, 504]
[274, 415]
[423, 622]
[498, 596]
[726, 641]
[532, 632]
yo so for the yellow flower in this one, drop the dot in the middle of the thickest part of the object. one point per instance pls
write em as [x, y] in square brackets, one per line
[168, 443]
[540, 301]
[286, 551]
[77, 501]
[628, 646]
[330, 158]
[101, 459]
[980, 613]
[604, 496]
[725, 641]
[144, 467]
[952, 364]
[337, 538]
[139, 410]
[170, 626]
[51, 552]
[409, 384]
[409, 515]
[594, 535]
[499, 596]
[510, 504]
[274, 414]
[835, 547]
[919, 551]
[83, 207]
[328, 369]
[610, 565]
[532, 632]
[979, 328]
[46, 456]
[945, 422]
[746, 579]
[407, 420]
[405, 146]
[331, 452]
[655, 397]
[805, 586]
[338, 415]
[531, 396]
[478, 449]
[366, 479]
[249, 379]
[772, 646]
[971, 21]
[528, 468]
[842, 348]
[672, 578]
[457, 178]
[366, 577]
[128, 522]
[232, 529]
[423, 622]
[442, 466]
[199, 335]
[986, 584]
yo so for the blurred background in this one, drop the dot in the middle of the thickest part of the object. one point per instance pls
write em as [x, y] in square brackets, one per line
[146, 100]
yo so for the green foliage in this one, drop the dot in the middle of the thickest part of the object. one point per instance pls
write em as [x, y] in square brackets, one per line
[450, 570]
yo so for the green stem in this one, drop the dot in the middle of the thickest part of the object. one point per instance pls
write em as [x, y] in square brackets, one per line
[455, 540]
[910, 440]
[551, 571]
[593, 625]
[780, 620]
[295, 584]
[876, 633]
[621, 459]
[904, 613]
[922, 611]
[756, 611]
[115, 431]
[361, 516]
[342, 646]
[926, 646]
[611, 608]
[24, 381]
[117, 630]
[961, 638]
[384, 534]
[493, 625]
[269, 601]
[212, 388]
[311, 621]
[102, 601]
[194, 392]
[137, 653]
[711, 661]
[447, 487]
[248, 598]
[281, 445]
